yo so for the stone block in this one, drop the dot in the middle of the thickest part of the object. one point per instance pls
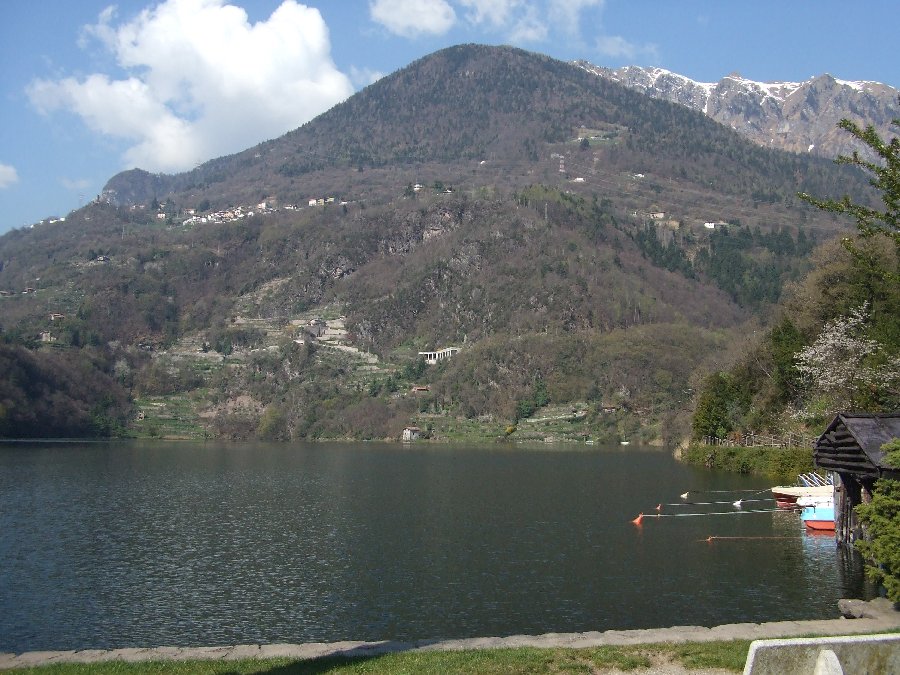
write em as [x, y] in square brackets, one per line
[825, 656]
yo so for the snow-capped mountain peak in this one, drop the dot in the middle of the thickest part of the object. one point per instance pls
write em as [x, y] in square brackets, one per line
[795, 116]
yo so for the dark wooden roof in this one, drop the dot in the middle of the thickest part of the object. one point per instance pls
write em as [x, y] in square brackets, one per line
[852, 444]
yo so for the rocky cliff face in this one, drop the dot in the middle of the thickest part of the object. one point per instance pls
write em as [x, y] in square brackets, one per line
[793, 116]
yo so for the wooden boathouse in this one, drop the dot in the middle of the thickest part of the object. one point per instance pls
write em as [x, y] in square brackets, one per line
[851, 448]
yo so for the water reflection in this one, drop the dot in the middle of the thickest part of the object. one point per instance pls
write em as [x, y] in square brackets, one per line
[146, 544]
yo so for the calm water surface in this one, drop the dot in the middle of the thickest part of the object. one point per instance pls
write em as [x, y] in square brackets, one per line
[138, 544]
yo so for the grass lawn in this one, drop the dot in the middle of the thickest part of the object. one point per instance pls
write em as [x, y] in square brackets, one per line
[728, 655]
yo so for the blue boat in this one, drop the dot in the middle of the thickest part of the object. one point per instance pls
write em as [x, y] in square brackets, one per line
[818, 517]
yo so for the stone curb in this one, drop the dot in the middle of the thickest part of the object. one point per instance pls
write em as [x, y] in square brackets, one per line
[874, 617]
[825, 655]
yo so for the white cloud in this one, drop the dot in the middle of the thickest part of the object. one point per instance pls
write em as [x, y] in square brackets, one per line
[412, 18]
[518, 21]
[363, 77]
[522, 21]
[202, 81]
[8, 176]
[494, 12]
[568, 12]
[75, 184]
[617, 47]
[531, 21]
[529, 27]
[536, 21]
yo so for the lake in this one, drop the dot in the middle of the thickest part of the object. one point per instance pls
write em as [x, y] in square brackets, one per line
[106, 545]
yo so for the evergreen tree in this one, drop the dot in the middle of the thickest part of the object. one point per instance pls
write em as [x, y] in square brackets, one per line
[718, 406]
[885, 177]
[882, 517]
[882, 514]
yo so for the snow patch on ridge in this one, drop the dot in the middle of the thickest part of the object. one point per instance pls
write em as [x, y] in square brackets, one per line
[859, 85]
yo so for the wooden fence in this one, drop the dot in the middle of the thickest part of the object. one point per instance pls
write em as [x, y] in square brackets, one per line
[762, 441]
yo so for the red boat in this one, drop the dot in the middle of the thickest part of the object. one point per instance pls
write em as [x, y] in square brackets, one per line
[819, 517]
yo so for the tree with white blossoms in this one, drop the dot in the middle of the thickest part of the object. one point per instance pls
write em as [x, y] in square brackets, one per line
[844, 369]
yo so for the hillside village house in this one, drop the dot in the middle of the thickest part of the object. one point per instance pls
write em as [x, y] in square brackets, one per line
[322, 201]
[316, 327]
[432, 358]
[411, 434]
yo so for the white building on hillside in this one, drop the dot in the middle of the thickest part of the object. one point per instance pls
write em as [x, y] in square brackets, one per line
[441, 354]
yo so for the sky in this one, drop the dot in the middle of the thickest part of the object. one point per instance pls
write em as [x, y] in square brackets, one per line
[90, 88]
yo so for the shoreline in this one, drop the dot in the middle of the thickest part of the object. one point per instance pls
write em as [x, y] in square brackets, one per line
[858, 617]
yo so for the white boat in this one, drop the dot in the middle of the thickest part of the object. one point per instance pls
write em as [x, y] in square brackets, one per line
[816, 501]
[786, 496]
[808, 485]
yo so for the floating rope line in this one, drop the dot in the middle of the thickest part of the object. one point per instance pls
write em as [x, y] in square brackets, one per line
[743, 501]
[641, 516]
[711, 539]
[714, 492]
[714, 513]
[738, 504]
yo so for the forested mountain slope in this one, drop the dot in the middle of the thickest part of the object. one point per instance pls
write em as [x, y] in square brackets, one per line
[584, 245]
[504, 106]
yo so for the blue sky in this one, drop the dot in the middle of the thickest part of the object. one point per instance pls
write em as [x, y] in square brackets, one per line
[91, 88]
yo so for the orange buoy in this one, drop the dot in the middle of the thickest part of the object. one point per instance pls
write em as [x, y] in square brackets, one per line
[639, 519]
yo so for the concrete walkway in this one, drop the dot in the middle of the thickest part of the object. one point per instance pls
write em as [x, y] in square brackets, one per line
[876, 616]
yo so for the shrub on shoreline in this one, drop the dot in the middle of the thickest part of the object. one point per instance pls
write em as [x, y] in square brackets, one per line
[781, 463]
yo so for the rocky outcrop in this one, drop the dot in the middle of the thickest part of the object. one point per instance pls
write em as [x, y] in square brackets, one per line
[793, 116]
[135, 186]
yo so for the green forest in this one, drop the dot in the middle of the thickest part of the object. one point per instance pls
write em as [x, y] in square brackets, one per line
[835, 343]
[835, 348]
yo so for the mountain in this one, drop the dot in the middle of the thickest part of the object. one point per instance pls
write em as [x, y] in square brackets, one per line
[792, 116]
[586, 246]
[471, 104]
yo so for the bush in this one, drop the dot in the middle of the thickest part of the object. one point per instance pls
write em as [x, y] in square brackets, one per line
[882, 518]
[720, 403]
[272, 425]
[779, 463]
[70, 393]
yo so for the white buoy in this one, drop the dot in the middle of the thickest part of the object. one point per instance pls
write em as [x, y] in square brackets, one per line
[685, 495]
[737, 504]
